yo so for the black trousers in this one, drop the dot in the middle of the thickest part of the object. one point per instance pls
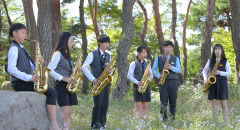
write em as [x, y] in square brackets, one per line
[29, 86]
[99, 111]
[168, 92]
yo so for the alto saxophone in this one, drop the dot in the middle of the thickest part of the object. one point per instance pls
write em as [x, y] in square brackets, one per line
[42, 85]
[145, 80]
[211, 78]
[76, 77]
[165, 72]
[104, 79]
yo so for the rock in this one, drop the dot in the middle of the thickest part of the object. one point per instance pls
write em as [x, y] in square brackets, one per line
[6, 85]
[24, 111]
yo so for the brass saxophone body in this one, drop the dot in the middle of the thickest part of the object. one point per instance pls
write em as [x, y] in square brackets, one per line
[42, 85]
[103, 79]
[211, 78]
[76, 77]
[165, 72]
[145, 80]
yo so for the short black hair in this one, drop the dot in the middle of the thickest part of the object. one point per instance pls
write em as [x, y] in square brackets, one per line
[15, 27]
[141, 48]
[166, 43]
[103, 38]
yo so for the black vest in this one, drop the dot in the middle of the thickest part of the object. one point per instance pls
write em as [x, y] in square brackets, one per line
[98, 65]
[172, 61]
[23, 62]
[221, 67]
[139, 69]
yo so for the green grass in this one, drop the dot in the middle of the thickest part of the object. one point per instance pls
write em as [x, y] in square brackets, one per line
[193, 112]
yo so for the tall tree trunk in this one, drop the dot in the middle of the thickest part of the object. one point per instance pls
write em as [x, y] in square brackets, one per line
[6, 10]
[122, 85]
[94, 17]
[235, 9]
[1, 23]
[84, 44]
[158, 24]
[173, 35]
[31, 25]
[45, 31]
[143, 34]
[206, 45]
[57, 28]
[184, 43]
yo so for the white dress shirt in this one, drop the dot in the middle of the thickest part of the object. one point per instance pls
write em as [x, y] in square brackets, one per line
[53, 65]
[131, 73]
[12, 65]
[86, 64]
[222, 73]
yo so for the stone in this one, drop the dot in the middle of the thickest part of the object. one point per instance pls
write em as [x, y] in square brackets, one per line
[24, 110]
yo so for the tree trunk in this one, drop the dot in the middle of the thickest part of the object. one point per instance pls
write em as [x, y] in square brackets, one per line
[158, 24]
[173, 35]
[143, 34]
[235, 9]
[57, 28]
[122, 85]
[84, 44]
[45, 31]
[184, 43]
[1, 23]
[6, 10]
[206, 45]
[31, 25]
[94, 17]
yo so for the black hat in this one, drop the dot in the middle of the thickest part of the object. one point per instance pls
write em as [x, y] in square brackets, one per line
[103, 38]
[166, 43]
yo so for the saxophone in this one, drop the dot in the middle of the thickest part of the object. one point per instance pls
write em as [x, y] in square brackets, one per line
[165, 72]
[104, 79]
[145, 79]
[211, 78]
[42, 85]
[76, 77]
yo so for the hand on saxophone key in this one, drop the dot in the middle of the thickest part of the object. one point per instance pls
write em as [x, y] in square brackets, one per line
[67, 79]
[205, 82]
[169, 66]
[217, 72]
[140, 83]
[35, 78]
[149, 73]
[79, 69]
[41, 60]
[95, 82]
[110, 70]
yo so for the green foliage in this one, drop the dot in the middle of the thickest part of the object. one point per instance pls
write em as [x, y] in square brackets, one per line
[194, 59]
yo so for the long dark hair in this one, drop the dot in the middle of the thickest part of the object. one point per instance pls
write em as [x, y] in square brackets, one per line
[213, 58]
[63, 45]
[140, 49]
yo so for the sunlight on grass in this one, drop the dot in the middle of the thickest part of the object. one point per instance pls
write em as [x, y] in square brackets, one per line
[193, 112]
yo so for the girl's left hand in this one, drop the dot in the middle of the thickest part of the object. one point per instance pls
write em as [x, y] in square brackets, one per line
[79, 69]
[41, 60]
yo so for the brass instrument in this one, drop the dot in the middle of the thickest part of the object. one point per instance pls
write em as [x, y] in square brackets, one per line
[104, 79]
[43, 72]
[165, 72]
[76, 77]
[145, 79]
[211, 78]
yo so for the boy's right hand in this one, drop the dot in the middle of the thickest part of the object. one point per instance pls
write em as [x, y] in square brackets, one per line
[67, 79]
[95, 82]
[35, 78]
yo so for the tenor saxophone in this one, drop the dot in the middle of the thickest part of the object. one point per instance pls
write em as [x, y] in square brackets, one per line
[42, 85]
[76, 77]
[211, 78]
[104, 79]
[165, 72]
[145, 80]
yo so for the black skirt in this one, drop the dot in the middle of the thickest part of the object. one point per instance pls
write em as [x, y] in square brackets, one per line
[138, 97]
[219, 90]
[64, 98]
